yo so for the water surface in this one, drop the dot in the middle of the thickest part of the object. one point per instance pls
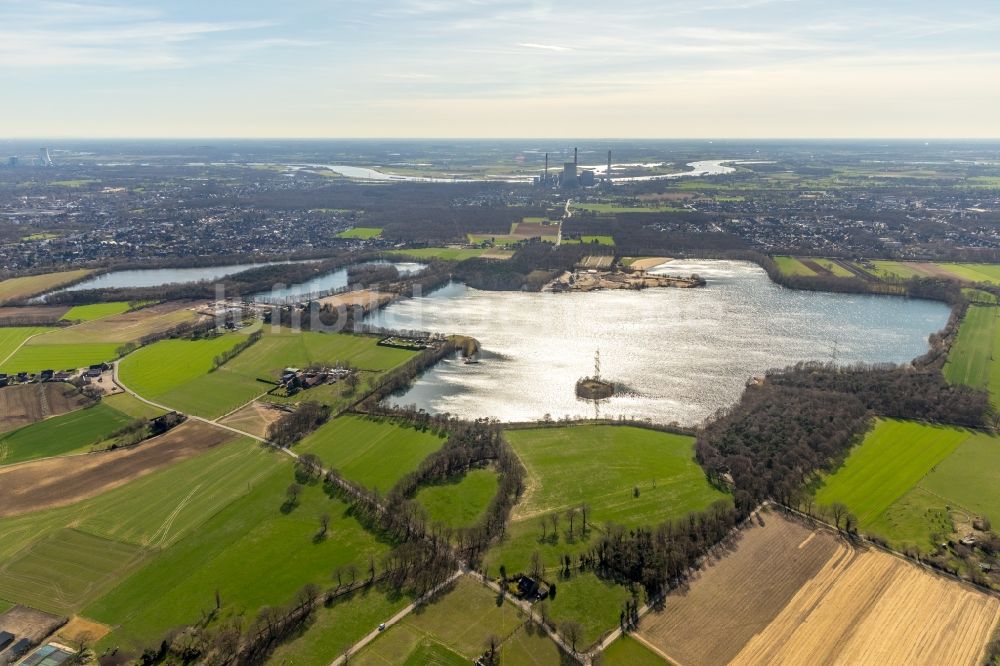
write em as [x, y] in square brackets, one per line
[681, 353]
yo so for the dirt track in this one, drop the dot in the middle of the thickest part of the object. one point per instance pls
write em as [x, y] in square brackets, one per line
[791, 596]
[27, 403]
[53, 482]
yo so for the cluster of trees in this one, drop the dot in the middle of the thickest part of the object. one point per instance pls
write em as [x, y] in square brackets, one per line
[241, 346]
[232, 642]
[805, 419]
[660, 557]
[293, 426]
[531, 267]
[369, 274]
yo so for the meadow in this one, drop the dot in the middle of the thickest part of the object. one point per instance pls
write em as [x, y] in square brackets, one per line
[178, 372]
[12, 338]
[792, 266]
[970, 360]
[893, 457]
[14, 289]
[132, 406]
[96, 311]
[373, 452]
[628, 651]
[457, 622]
[446, 253]
[59, 435]
[362, 233]
[605, 467]
[35, 355]
[462, 501]
[909, 482]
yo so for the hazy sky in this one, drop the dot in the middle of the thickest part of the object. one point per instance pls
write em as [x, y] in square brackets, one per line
[500, 68]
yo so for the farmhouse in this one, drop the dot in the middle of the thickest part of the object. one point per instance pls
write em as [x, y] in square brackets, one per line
[5, 639]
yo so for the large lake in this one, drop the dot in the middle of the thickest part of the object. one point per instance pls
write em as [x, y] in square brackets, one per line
[682, 353]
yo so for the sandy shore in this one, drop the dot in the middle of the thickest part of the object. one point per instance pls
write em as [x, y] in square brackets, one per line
[648, 262]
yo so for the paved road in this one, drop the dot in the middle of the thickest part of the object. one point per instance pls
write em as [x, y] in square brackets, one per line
[353, 650]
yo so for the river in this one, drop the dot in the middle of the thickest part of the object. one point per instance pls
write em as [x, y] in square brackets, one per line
[327, 282]
[681, 354]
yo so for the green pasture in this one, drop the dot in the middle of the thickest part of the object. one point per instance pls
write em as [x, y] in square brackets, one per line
[373, 452]
[893, 457]
[446, 253]
[897, 269]
[96, 311]
[127, 403]
[460, 621]
[36, 356]
[13, 337]
[627, 651]
[169, 364]
[970, 360]
[462, 501]
[588, 600]
[989, 273]
[362, 233]
[68, 433]
[792, 266]
[252, 551]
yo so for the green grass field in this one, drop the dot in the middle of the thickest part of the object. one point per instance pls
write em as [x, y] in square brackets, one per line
[140, 518]
[59, 435]
[363, 233]
[833, 267]
[599, 240]
[18, 288]
[893, 457]
[128, 404]
[446, 253]
[338, 627]
[461, 502]
[792, 266]
[989, 273]
[627, 651]
[12, 338]
[373, 452]
[42, 575]
[37, 356]
[460, 621]
[249, 550]
[979, 296]
[602, 466]
[96, 311]
[971, 361]
[897, 269]
[168, 364]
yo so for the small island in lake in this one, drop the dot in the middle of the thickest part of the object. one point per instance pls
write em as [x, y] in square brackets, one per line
[594, 388]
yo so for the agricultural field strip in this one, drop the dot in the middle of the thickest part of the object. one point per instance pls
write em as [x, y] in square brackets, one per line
[40, 331]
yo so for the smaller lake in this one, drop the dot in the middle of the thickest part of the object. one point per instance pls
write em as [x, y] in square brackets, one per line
[328, 282]
[157, 277]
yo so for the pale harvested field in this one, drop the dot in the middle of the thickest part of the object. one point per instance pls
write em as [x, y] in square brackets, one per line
[647, 263]
[19, 288]
[738, 595]
[366, 298]
[254, 418]
[769, 603]
[878, 609]
[24, 404]
[497, 255]
[125, 327]
[52, 482]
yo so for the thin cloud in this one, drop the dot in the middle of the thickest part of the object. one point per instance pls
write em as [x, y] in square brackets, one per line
[545, 47]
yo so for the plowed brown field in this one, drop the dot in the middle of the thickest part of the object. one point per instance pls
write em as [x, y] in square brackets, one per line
[60, 481]
[27, 403]
[858, 607]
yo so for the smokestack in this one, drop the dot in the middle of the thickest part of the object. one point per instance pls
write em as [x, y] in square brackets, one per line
[607, 174]
[574, 156]
[546, 166]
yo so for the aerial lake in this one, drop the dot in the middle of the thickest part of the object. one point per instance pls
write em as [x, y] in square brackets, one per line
[678, 354]
[156, 277]
[328, 282]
